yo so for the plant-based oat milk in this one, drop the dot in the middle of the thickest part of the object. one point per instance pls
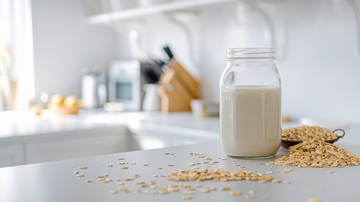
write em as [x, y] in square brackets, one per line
[250, 120]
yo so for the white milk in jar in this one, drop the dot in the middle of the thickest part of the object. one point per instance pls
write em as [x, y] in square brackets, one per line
[250, 104]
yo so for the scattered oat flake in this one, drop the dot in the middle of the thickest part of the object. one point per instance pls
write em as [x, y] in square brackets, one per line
[191, 153]
[133, 163]
[225, 188]
[269, 172]
[76, 172]
[120, 183]
[186, 197]
[235, 193]
[89, 180]
[154, 175]
[124, 167]
[83, 167]
[330, 171]
[191, 164]
[235, 164]
[128, 179]
[205, 190]
[118, 180]
[251, 192]
[247, 161]
[113, 192]
[223, 159]
[145, 164]
[241, 167]
[121, 163]
[80, 175]
[197, 185]
[276, 181]
[260, 163]
[170, 164]
[158, 168]
[122, 188]
[172, 154]
[287, 182]
[249, 196]
[109, 165]
[121, 158]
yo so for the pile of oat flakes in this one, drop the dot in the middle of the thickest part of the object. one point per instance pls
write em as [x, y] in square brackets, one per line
[317, 153]
[302, 133]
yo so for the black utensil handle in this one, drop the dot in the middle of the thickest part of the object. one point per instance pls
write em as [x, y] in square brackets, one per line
[340, 130]
[168, 52]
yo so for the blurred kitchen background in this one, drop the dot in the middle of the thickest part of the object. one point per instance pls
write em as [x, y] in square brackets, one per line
[125, 74]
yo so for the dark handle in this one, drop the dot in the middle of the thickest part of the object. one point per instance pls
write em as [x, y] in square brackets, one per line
[340, 130]
[168, 52]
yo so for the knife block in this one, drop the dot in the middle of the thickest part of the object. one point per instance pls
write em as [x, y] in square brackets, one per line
[178, 89]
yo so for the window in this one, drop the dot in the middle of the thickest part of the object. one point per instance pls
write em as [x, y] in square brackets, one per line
[16, 55]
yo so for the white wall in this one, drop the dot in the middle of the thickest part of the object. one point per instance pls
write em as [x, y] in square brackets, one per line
[316, 41]
[63, 45]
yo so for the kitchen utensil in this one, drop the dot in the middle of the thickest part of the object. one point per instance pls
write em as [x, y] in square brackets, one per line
[151, 99]
[288, 144]
[178, 89]
[93, 90]
[168, 52]
[205, 108]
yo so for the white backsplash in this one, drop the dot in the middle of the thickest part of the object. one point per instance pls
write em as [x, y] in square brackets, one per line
[316, 44]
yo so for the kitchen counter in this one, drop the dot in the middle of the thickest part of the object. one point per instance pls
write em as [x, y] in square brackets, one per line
[20, 124]
[23, 124]
[56, 181]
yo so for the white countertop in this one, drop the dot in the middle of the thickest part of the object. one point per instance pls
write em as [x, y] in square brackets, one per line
[56, 181]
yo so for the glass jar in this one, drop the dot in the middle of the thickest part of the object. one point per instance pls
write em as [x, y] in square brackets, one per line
[250, 104]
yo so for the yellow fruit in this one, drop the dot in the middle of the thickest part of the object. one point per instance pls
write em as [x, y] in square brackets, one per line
[71, 101]
[57, 99]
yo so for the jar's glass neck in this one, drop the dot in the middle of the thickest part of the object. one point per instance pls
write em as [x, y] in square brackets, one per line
[250, 54]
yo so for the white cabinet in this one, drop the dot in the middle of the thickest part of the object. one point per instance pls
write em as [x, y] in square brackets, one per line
[11, 153]
[77, 144]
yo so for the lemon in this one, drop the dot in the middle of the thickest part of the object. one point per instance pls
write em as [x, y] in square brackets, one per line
[71, 101]
[57, 99]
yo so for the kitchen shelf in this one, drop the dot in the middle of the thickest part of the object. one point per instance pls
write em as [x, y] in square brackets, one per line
[149, 10]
